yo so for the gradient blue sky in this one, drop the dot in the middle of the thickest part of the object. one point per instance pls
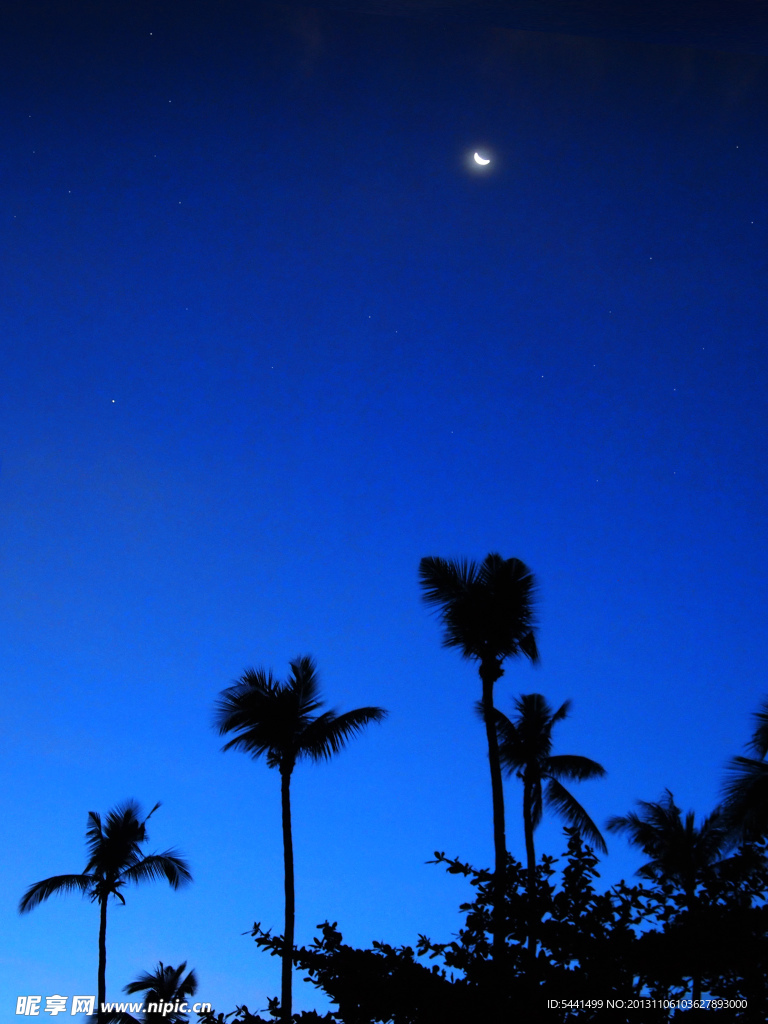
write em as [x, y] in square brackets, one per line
[267, 340]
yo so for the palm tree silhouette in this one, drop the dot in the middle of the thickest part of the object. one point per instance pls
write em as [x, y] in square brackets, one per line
[487, 612]
[278, 721]
[525, 749]
[164, 985]
[746, 788]
[678, 851]
[114, 859]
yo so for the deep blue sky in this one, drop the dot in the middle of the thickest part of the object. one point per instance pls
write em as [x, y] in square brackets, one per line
[267, 340]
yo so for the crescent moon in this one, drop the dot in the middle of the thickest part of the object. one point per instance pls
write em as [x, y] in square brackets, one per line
[480, 160]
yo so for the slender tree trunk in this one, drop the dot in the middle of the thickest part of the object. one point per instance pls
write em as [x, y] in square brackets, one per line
[530, 854]
[489, 673]
[286, 996]
[693, 912]
[102, 986]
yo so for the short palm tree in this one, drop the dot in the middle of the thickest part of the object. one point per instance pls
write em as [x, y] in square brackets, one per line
[746, 788]
[679, 852]
[278, 721]
[164, 985]
[525, 749]
[487, 612]
[114, 859]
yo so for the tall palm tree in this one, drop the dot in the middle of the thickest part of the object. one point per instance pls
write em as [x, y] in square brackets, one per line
[746, 788]
[279, 721]
[525, 749]
[164, 985]
[114, 859]
[678, 851]
[487, 612]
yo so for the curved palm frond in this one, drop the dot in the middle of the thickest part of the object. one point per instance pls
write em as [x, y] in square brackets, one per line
[569, 808]
[168, 865]
[758, 744]
[41, 891]
[746, 797]
[716, 837]
[329, 733]
[653, 830]
[94, 834]
[443, 580]
[574, 767]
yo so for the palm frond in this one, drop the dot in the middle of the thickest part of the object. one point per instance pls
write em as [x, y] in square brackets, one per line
[716, 836]
[164, 984]
[562, 712]
[652, 829]
[527, 645]
[253, 708]
[443, 580]
[93, 832]
[628, 823]
[124, 821]
[758, 744]
[41, 891]
[574, 767]
[144, 983]
[329, 733]
[746, 796]
[166, 865]
[157, 806]
[569, 808]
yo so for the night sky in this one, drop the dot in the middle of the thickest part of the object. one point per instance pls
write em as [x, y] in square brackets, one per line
[268, 338]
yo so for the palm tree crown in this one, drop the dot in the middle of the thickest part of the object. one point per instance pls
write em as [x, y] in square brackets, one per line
[279, 721]
[678, 851]
[115, 858]
[164, 985]
[525, 748]
[487, 609]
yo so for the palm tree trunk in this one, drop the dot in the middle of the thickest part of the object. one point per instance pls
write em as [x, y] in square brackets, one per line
[530, 854]
[489, 673]
[102, 986]
[286, 998]
[694, 917]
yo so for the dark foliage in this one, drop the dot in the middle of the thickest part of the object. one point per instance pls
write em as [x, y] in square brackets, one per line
[628, 942]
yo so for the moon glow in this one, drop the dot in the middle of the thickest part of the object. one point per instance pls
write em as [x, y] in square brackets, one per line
[481, 160]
